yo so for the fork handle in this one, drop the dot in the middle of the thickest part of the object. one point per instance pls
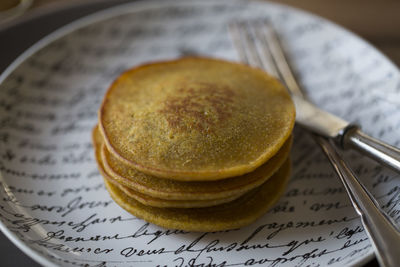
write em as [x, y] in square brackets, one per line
[379, 227]
[373, 148]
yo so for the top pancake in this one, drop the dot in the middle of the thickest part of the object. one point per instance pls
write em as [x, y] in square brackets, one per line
[196, 118]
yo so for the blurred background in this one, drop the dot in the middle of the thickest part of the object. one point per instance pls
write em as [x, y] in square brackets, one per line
[23, 22]
[376, 21]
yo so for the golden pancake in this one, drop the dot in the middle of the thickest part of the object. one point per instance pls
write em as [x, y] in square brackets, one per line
[180, 190]
[170, 203]
[195, 118]
[98, 142]
[161, 203]
[149, 200]
[232, 215]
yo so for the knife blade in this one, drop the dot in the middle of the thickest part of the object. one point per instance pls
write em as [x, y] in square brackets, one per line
[345, 134]
[317, 120]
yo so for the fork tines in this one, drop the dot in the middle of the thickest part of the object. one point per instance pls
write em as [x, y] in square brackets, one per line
[259, 45]
[251, 42]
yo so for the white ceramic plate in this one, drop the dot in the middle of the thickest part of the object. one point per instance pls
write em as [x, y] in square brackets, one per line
[54, 205]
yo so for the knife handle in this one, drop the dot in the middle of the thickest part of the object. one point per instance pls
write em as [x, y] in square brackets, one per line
[386, 154]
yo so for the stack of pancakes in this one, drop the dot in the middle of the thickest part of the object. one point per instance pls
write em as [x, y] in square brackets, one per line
[195, 144]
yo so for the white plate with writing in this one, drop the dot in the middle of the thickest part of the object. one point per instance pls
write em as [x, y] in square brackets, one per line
[53, 203]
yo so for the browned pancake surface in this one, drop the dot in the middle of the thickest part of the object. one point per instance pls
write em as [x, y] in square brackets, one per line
[196, 118]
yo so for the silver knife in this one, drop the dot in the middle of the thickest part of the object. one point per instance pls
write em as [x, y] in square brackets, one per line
[345, 135]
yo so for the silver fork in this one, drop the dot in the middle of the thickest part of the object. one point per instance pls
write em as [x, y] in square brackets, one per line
[258, 45]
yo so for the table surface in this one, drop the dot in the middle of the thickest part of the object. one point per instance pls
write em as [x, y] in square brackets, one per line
[376, 21]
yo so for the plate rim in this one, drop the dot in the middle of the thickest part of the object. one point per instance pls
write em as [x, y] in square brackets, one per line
[137, 6]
